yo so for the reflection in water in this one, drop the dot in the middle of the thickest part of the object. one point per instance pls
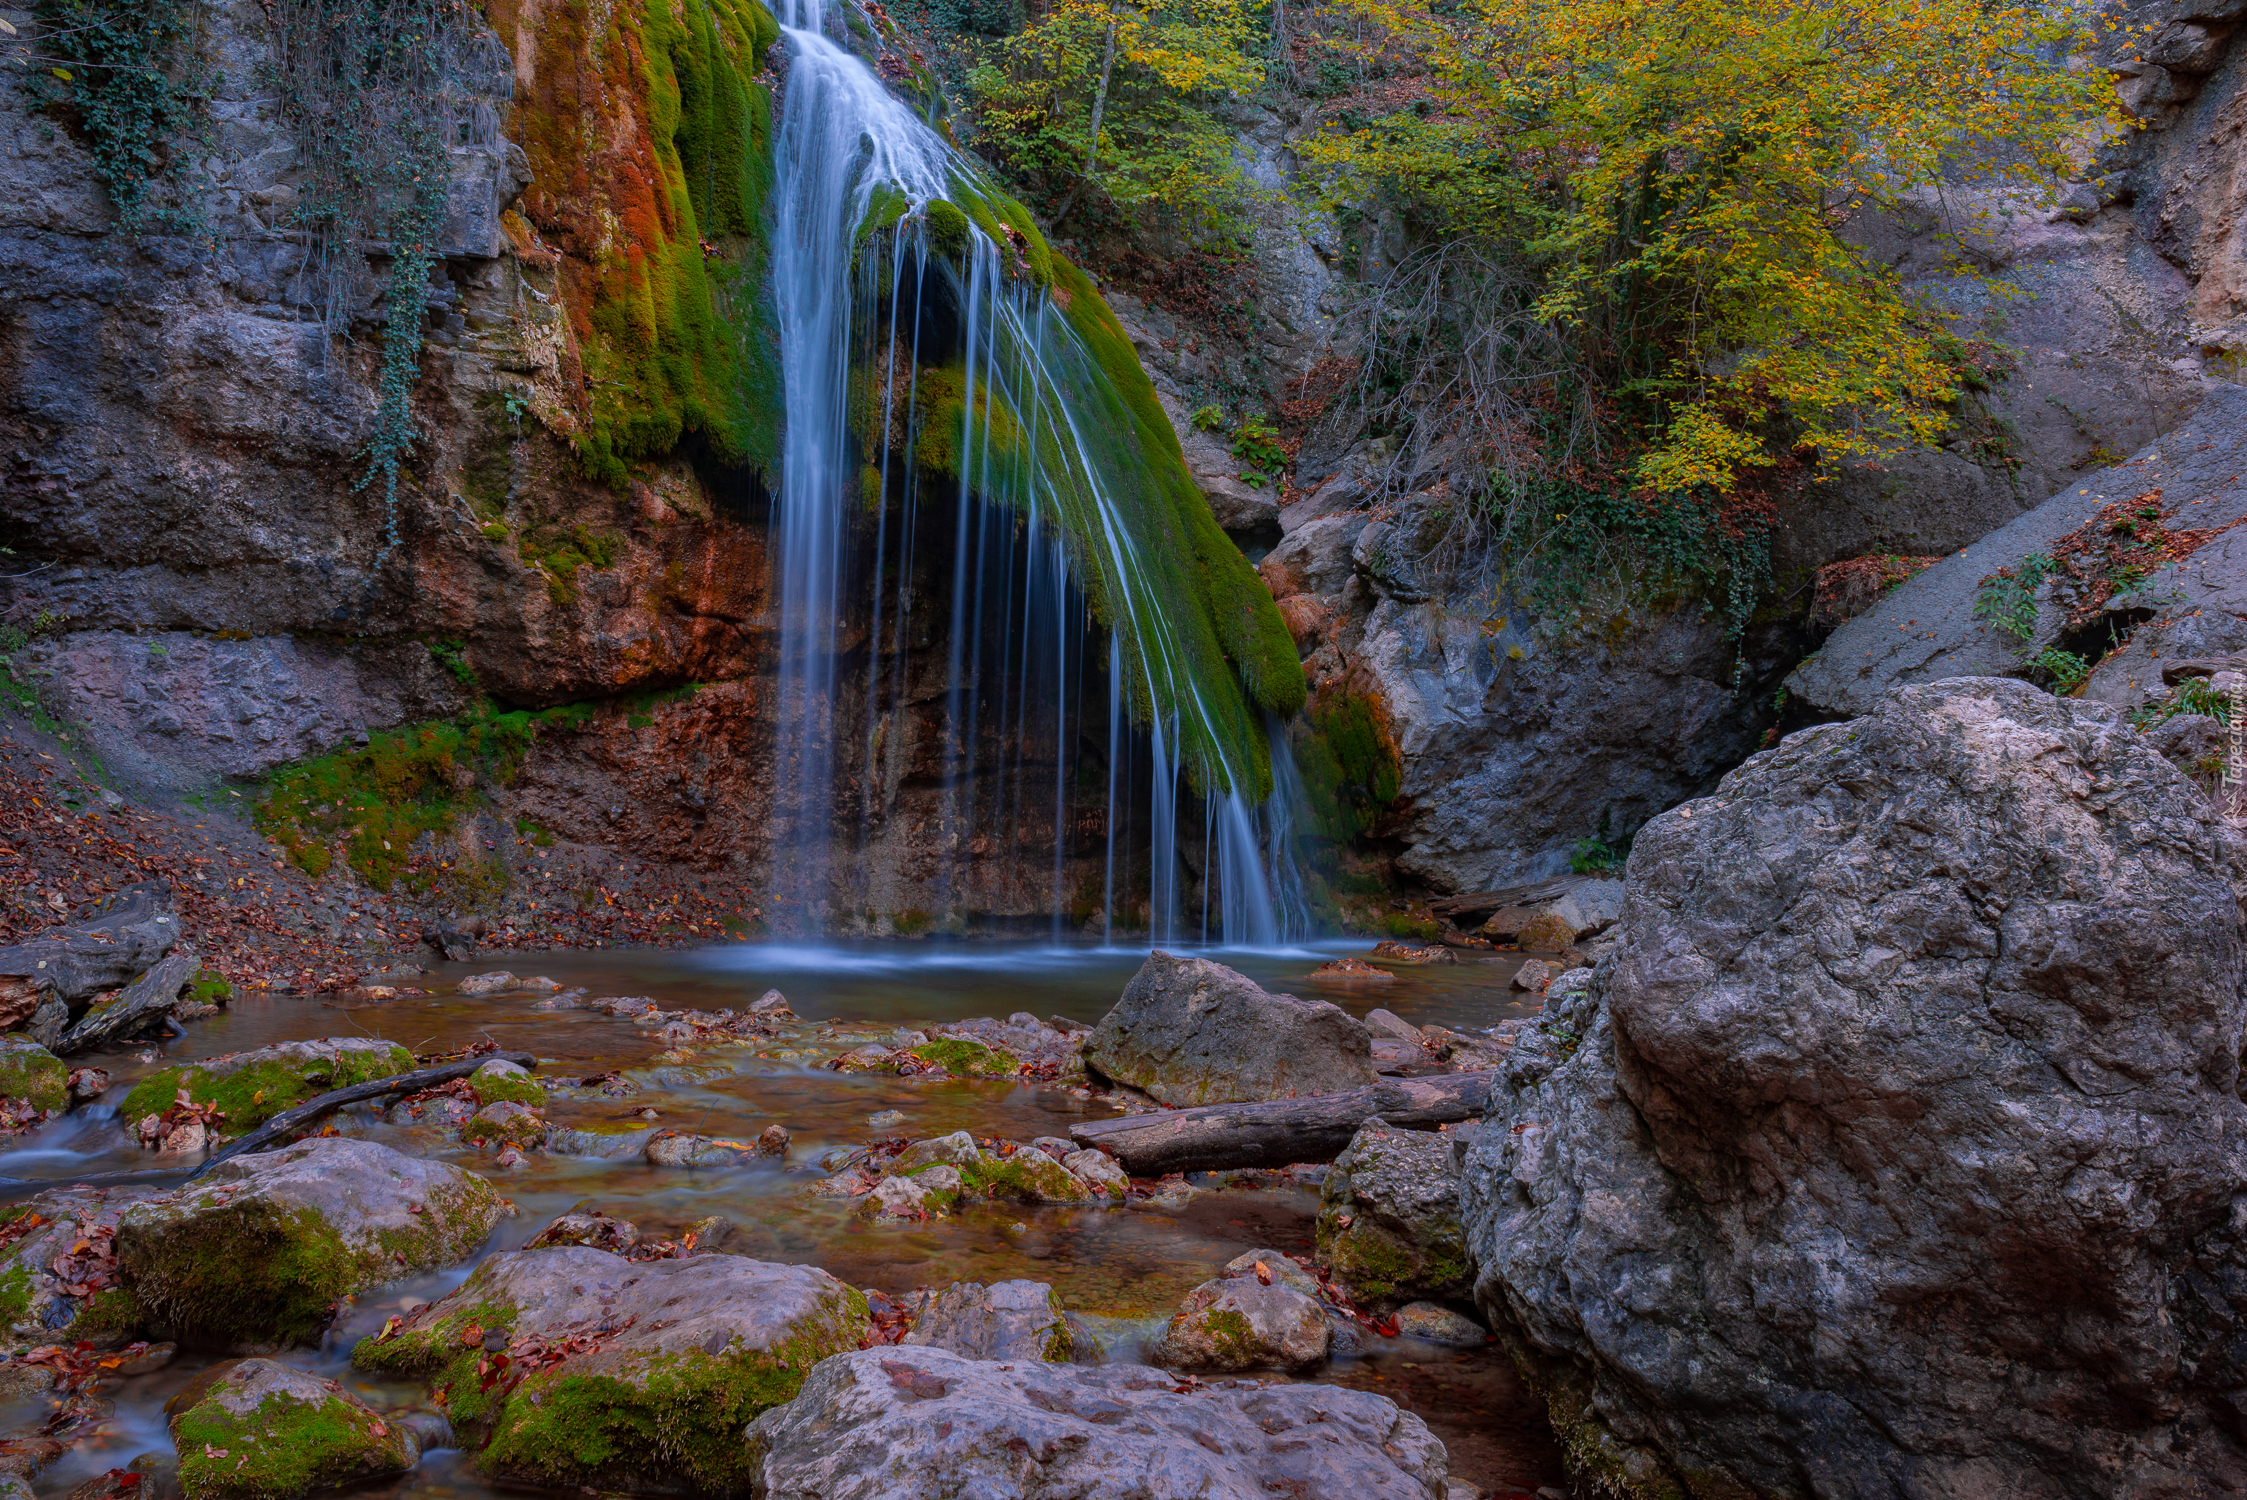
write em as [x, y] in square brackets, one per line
[1127, 1266]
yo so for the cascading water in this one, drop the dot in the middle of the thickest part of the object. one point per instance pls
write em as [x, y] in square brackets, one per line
[939, 399]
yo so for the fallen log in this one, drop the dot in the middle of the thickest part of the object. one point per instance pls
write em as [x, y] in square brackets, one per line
[1275, 1132]
[289, 1121]
[48, 975]
[144, 1000]
[1457, 908]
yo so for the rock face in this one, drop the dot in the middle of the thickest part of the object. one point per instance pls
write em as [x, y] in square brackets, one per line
[1899, 1146]
[1389, 1227]
[926, 1424]
[267, 1431]
[1010, 1320]
[259, 1249]
[1190, 1031]
[637, 1376]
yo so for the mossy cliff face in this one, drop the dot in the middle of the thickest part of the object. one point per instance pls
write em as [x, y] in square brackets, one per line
[250, 1088]
[633, 1400]
[259, 1250]
[266, 1431]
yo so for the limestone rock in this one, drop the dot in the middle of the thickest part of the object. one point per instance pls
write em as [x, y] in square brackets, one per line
[33, 1076]
[49, 1291]
[1098, 1171]
[1277, 1266]
[1389, 1228]
[957, 1149]
[1533, 975]
[594, 1231]
[257, 1251]
[900, 1197]
[251, 1087]
[1190, 1031]
[1439, 1325]
[645, 1373]
[1241, 1323]
[1896, 1146]
[772, 1006]
[1008, 1320]
[676, 1148]
[266, 1431]
[927, 1424]
[505, 1123]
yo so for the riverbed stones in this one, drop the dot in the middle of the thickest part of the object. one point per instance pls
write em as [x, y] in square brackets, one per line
[1243, 1323]
[1389, 1228]
[928, 1424]
[1190, 1031]
[1007, 1320]
[266, 1431]
[635, 1376]
[1272, 1266]
[50, 1290]
[957, 1149]
[1098, 1171]
[676, 1148]
[595, 1231]
[249, 1088]
[258, 1250]
[33, 1077]
[1896, 1147]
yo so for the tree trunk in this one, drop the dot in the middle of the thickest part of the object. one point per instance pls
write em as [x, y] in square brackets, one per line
[1280, 1131]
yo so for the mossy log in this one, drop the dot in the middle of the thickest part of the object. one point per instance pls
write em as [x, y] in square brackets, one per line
[290, 1121]
[1278, 1132]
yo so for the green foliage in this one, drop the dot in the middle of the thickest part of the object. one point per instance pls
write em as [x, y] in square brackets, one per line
[1209, 419]
[1349, 763]
[1572, 544]
[1148, 81]
[1592, 857]
[2066, 670]
[2194, 695]
[132, 84]
[561, 553]
[947, 229]
[1256, 443]
[451, 655]
[2007, 598]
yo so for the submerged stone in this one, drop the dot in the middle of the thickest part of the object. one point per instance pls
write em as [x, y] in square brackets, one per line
[633, 1375]
[266, 1431]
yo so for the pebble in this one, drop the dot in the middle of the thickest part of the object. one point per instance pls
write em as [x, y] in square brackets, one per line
[883, 1119]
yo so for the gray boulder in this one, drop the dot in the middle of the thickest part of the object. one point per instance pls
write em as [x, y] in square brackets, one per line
[1190, 1031]
[927, 1424]
[47, 977]
[267, 1431]
[1388, 1228]
[1898, 1148]
[1010, 1320]
[1244, 1323]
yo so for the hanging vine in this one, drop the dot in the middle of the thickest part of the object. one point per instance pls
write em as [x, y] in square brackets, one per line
[126, 73]
[378, 93]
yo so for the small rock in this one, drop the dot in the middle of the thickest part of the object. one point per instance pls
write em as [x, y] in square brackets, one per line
[284, 1421]
[1350, 971]
[1010, 1320]
[1533, 975]
[1056, 1147]
[895, 1198]
[771, 1006]
[487, 984]
[88, 1084]
[675, 1148]
[941, 1187]
[1278, 1266]
[1438, 1324]
[1099, 1171]
[537, 984]
[503, 1124]
[884, 1119]
[773, 1141]
[1026, 1021]
[713, 1233]
[871, 1058]
[958, 1148]
[595, 1231]
[1242, 1324]
[149, 1360]
[1406, 953]
[1068, 1027]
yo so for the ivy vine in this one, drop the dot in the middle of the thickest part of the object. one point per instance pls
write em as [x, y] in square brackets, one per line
[127, 73]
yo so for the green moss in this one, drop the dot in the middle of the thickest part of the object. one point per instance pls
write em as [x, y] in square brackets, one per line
[1018, 1178]
[279, 1449]
[513, 1088]
[248, 1097]
[112, 1313]
[1378, 1265]
[32, 1074]
[1347, 755]
[209, 987]
[1231, 1336]
[963, 1058]
[946, 228]
[15, 1294]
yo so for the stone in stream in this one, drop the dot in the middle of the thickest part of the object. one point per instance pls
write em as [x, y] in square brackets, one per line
[249, 1088]
[595, 1231]
[1439, 1325]
[1189, 1031]
[499, 981]
[266, 1431]
[1243, 1323]
[1278, 1266]
[676, 1148]
[501, 1081]
[1389, 1229]
[503, 1124]
[927, 1424]
[634, 1376]
[1895, 1148]
[957, 1149]
[50, 1291]
[1007, 1320]
[1098, 1171]
[257, 1251]
[771, 1006]
[32, 1077]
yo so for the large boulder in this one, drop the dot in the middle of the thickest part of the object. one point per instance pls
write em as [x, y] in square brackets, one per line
[266, 1431]
[619, 1374]
[1388, 1225]
[1190, 1031]
[53, 1291]
[927, 1424]
[48, 977]
[1899, 1146]
[255, 1254]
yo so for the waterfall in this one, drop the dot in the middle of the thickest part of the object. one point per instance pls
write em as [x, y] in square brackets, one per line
[942, 405]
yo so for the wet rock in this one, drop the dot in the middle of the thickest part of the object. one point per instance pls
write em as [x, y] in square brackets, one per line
[1964, 973]
[50, 1291]
[24, 1456]
[18, 1378]
[248, 1088]
[1243, 1323]
[594, 1231]
[1025, 1176]
[260, 1248]
[885, 1119]
[871, 1058]
[967, 1057]
[1350, 972]
[1008, 1320]
[771, 1006]
[1533, 975]
[675, 1148]
[148, 1361]
[1439, 1325]
[494, 983]
[88, 1084]
[50, 974]
[1098, 1171]
[1189, 1031]
[1389, 1229]
[637, 1376]
[504, 1124]
[772, 1141]
[1269, 1266]
[500, 1081]
[904, 1197]
[928, 1424]
[1392, 951]
[607, 1140]
[266, 1431]
[958, 1149]
[32, 1076]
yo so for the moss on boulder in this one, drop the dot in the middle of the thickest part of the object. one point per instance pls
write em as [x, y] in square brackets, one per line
[500, 1081]
[41, 1264]
[250, 1088]
[265, 1431]
[660, 1364]
[33, 1075]
[1239, 1323]
[963, 1058]
[1389, 1227]
[257, 1252]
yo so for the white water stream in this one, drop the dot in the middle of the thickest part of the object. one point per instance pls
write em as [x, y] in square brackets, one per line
[1018, 626]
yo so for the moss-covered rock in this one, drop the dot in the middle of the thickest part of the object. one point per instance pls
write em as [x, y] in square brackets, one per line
[660, 1364]
[32, 1075]
[250, 1088]
[41, 1265]
[256, 1253]
[504, 1124]
[1243, 1324]
[1389, 1228]
[1025, 1177]
[265, 1431]
[963, 1058]
[500, 1081]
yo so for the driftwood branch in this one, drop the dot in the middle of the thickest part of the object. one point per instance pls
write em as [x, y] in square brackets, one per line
[289, 1121]
[1459, 907]
[1280, 1131]
[144, 1000]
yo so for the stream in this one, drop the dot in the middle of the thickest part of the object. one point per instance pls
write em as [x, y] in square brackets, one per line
[1124, 1268]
